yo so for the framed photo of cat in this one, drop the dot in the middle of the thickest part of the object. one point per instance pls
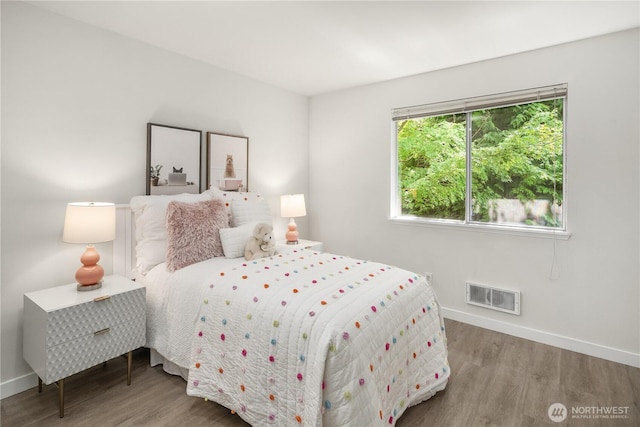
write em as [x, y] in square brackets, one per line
[173, 159]
[227, 162]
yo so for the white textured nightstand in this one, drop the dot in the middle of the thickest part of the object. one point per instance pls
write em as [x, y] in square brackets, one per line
[66, 331]
[283, 247]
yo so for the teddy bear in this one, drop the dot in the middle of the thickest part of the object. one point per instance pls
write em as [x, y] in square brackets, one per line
[260, 244]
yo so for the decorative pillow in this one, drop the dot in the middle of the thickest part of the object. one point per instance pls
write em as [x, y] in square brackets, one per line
[193, 232]
[228, 197]
[234, 239]
[250, 211]
[150, 213]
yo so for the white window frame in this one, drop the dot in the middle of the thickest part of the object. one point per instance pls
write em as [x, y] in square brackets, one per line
[466, 106]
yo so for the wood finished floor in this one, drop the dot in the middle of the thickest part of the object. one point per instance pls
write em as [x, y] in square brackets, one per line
[497, 380]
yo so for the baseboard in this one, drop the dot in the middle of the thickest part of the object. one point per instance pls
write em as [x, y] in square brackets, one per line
[18, 385]
[579, 346]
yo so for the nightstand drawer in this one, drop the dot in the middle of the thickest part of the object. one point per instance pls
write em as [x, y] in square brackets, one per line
[71, 323]
[92, 349]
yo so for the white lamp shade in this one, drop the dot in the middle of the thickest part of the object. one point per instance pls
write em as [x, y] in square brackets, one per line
[91, 222]
[292, 205]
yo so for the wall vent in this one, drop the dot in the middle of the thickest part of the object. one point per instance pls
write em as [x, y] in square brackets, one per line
[493, 298]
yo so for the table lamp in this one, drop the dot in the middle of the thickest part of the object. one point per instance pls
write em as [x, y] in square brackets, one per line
[89, 223]
[292, 206]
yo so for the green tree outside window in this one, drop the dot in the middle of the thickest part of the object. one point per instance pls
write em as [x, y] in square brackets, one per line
[516, 164]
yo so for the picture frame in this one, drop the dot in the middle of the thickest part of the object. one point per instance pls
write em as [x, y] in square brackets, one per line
[227, 162]
[173, 160]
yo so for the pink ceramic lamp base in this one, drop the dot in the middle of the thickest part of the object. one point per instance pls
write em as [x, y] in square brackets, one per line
[89, 276]
[292, 234]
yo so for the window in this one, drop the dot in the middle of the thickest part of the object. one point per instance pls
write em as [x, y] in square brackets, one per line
[494, 161]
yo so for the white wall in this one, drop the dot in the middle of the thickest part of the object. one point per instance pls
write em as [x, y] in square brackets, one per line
[593, 305]
[75, 104]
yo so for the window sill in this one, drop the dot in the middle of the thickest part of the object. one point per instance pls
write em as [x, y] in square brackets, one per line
[482, 228]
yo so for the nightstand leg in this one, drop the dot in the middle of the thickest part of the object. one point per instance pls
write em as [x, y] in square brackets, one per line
[129, 363]
[39, 385]
[61, 396]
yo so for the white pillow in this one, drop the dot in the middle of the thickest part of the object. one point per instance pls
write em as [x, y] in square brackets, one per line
[235, 239]
[150, 214]
[250, 211]
[229, 196]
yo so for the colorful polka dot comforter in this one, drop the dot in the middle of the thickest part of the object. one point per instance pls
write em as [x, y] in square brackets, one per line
[314, 338]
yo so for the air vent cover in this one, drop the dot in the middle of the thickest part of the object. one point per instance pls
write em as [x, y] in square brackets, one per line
[493, 298]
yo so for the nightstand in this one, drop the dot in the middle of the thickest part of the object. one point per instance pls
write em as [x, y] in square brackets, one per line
[66, 331]
[283, 247]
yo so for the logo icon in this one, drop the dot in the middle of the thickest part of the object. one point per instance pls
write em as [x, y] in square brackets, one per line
[557, 412]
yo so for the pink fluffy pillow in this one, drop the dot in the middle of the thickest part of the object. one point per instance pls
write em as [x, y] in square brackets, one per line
[193, 232]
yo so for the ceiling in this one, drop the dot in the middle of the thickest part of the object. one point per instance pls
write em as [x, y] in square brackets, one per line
[314, 47]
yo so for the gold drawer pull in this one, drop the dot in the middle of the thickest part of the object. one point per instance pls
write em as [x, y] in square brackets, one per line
[102, 331]
[102, 298]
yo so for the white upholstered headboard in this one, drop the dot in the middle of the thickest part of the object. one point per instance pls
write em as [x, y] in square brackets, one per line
[124, 246]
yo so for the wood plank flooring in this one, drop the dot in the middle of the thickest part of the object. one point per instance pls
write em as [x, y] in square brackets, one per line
[497, 380]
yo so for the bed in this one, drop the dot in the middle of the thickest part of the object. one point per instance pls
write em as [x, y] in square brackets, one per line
[300, 338]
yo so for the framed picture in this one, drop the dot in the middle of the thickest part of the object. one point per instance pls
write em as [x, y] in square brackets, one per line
[173, 159]
[227, 162]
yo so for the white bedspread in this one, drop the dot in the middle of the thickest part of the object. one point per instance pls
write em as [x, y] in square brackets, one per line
[173, 304]
[302, 339]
